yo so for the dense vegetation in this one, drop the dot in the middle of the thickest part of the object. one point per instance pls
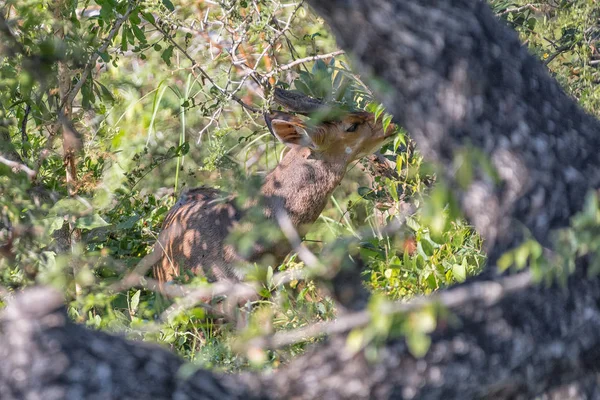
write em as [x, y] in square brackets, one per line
[108, 109]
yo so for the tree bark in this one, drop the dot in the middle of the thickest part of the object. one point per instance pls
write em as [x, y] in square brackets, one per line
[46, 356]
[458, 80]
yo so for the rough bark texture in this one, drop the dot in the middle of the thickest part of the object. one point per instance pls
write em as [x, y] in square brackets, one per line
[455, 77]
[46, 356]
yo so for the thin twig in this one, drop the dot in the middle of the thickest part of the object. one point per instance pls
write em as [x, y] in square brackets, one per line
[24, 136]
[253, 71]
[196, 66]
[304, 60]
[291, 234]
[532, 7]
[192, 297]
[489, 292]
[559, 51]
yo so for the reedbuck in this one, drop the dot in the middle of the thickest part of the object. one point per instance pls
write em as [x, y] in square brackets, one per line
[194, 232]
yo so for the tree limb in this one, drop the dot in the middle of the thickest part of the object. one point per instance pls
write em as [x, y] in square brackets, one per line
[18, 167]
[459, 80]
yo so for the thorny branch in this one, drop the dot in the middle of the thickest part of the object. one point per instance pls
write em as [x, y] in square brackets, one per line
[196, 66]
[252, 71]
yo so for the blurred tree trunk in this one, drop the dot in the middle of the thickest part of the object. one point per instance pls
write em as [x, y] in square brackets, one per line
[458, 80]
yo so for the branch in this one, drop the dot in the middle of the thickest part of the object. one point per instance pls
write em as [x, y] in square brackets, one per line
[24, 136]
[17, 167]
[484, 292]
[282, 31]
[304, 60]
[196, 66]
[532, 7]
[202, 296]
[93, 364]
[513, 348]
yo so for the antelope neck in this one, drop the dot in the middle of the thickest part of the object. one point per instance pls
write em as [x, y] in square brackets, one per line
[301, 185]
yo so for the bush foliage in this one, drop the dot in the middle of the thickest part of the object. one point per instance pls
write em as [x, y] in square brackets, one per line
[109, 108]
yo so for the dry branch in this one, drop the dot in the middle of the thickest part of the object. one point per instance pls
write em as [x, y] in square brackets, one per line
[196, 66]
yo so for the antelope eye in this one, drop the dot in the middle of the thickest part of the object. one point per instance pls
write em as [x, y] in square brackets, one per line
[353, 127]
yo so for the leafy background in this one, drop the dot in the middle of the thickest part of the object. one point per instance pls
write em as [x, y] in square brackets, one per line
[160, 111]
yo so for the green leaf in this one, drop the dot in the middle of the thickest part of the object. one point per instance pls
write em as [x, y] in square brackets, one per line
[135, 301]
[106, 12]
[90, 222]
[387, 120]
[124, 44]
[169, 5]
[184, 148]
[412, 224]
[418, 344]
[55, 224]
[130, 37]
[318, 66]
[399, 160]
[167, 54]
[301, 86]
[106, 94]
[135, 18]
[129, 222]
[400, 139]
[354, 340]
[68, 206]
[460, 272]
[505, 261]
[104, 56]
[149, 17]
[366, 193]
[393, 190]
[521, 255]
[139, 33]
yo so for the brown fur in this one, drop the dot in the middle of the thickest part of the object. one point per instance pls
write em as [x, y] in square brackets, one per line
[194, 232]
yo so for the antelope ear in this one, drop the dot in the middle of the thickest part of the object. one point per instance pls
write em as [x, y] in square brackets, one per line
[289, 129]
